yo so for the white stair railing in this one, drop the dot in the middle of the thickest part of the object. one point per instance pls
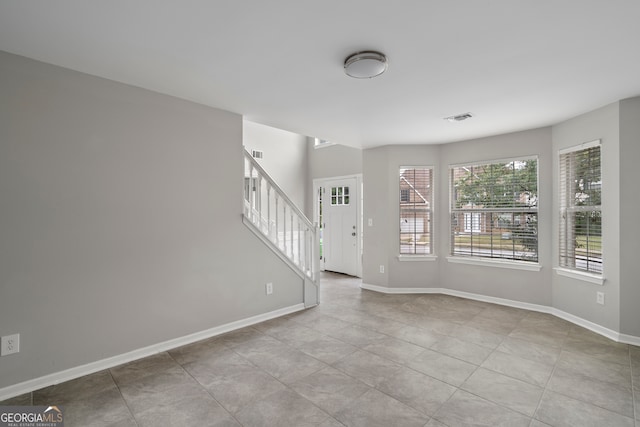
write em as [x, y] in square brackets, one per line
[279, 220]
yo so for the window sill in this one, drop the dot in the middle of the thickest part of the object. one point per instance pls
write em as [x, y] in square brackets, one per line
[579, 275]
[417, 258]
[515, 265]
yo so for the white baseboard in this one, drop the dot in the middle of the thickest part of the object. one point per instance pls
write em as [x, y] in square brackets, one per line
[110, 362]
[629, 339]
[386, 290]
[594, 327]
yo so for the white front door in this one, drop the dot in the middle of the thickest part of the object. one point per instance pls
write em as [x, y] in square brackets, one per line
[340, 234]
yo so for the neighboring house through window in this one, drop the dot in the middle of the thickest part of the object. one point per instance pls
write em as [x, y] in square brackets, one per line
[580, 208]
[494, 210]
[416, 194]
[472, 222]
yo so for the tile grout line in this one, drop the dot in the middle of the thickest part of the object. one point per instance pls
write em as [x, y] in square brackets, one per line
[495, 403]
[286, 386]
[135, 420]
[582, 400]
[544, 389]
[359, 348]
[403, 364]
[458, 388]
[203, 388]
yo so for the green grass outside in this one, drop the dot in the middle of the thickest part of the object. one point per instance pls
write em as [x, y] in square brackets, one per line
[485, 241]
[595, 245]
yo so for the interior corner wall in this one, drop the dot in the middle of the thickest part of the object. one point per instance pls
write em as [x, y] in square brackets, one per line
[381, 195]
[334, 160]
[381, 245]
[629, 208]
[121, 221]
[532, 287]
[285, 158]
[578, 297]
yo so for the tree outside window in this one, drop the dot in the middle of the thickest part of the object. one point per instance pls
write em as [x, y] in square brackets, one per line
[580, 208]
[494, 210]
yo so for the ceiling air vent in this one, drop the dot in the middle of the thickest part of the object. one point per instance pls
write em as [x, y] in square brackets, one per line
[257, 154]
[459, 117]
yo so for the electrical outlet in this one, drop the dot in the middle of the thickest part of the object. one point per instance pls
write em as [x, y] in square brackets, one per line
[381, 268]
[600, 298]
[370, 222]
[10, 344]
[269, 288]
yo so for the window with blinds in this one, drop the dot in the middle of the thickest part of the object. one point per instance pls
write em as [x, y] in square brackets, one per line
[416, 193]
[580, 208]
[494, 210]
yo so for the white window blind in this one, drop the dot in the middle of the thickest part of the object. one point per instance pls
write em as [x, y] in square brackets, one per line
[494, 210]
[580, 208]
[416, 193]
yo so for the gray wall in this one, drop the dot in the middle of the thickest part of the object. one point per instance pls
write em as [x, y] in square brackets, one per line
[629, 208]
[293, 161]
[618, 127]
[334, 160]
[120, 224]
[285, 158]
[526, 286]
[377, 194]
[381, 195]
[577, 296]
[381, 246]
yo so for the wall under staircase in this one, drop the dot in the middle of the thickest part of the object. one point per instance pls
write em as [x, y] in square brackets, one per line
[282, 226]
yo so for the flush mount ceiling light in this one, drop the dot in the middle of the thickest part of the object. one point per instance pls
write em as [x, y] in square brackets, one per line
[365, 65]
[459, 117]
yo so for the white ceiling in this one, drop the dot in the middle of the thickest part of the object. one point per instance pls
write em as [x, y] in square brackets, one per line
[514, 64]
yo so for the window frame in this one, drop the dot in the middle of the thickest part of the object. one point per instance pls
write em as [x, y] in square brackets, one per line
[491, 260]
[566, 205]
[339, 195]
[416, 256]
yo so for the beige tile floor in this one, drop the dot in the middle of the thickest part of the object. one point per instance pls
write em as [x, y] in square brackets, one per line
[367, 359]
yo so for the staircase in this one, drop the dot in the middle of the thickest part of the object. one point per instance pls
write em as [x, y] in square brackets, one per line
[282, 226]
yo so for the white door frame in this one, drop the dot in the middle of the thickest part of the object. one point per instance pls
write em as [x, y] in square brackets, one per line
[321, 182]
